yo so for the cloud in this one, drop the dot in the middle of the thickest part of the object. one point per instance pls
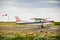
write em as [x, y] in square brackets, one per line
[23, 13]
[53, 1]
[49, 2]
[26, 10]
[34, 4]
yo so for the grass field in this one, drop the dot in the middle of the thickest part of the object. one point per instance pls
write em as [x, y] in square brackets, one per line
[26, 34]
[13, 35]
[11, 24]
[14, 24]
[17, 37]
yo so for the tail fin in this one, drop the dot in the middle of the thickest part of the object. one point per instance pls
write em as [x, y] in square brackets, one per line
[18, 20]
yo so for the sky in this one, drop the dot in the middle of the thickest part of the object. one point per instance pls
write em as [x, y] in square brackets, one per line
[26, 9]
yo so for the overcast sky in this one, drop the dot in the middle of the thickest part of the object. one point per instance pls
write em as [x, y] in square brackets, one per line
[26, 9]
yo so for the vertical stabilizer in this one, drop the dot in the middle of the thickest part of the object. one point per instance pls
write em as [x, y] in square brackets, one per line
[18, 20]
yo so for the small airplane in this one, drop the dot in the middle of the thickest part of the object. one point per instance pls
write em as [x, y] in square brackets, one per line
[38, 21]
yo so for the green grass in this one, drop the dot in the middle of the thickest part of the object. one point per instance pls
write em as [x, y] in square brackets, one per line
[17, 37]
[20, 37]
[11, 24]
